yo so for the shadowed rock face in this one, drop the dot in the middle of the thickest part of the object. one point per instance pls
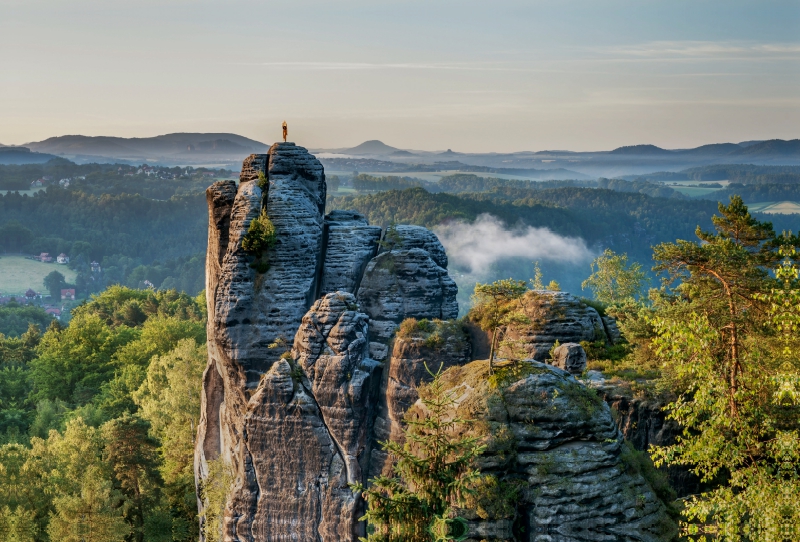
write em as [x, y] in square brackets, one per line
[296, 426]
[351, 244]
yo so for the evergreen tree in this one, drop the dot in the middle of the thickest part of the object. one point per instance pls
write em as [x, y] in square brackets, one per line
[433, 473]
[496, 306]
[726, 336]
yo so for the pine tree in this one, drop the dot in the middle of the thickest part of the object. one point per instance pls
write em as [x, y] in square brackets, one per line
[433, 472]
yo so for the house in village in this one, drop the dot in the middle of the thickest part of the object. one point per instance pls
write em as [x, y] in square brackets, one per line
[45, 257]
[38, 183]
[95, 267]
[68, 293]
[30, 295]
[55, 313]
[62, 258]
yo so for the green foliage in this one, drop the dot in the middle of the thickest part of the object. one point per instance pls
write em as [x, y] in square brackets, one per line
[214, 492]
[16, 319]
[260, 237]
[433, 333]
[497, 306]
[638, 462]
[364, 182]
[54, 282]
[728, 345]
[613, 279]
[263, 182]
[99, 418]
[434, 473]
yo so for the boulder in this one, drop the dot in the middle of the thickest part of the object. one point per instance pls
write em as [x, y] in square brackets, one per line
[554, 316]
[570, 357]
[406, 237]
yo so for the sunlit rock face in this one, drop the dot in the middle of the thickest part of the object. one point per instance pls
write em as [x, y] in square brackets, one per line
[291, 390]
[556, 441]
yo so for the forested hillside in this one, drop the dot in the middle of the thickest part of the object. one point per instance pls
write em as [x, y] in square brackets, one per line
[97, 421]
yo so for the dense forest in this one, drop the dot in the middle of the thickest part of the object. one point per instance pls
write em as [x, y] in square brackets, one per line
[97, 421]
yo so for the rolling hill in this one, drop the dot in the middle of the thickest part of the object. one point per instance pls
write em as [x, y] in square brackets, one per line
[168, 145]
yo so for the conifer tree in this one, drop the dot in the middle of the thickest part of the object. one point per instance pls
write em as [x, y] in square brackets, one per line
[433, 472]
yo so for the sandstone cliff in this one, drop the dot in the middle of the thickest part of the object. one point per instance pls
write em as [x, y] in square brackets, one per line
[290, 394]
[316, 347]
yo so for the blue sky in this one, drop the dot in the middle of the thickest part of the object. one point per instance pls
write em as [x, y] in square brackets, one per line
[471, 76]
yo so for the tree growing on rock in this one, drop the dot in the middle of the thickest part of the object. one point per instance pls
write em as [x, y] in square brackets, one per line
[433, 473]
[613, 279]
[496, 306]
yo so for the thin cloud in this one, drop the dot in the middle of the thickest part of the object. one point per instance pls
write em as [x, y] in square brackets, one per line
[703, 50]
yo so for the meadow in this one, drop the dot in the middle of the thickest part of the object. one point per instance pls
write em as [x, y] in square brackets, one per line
[17, 274]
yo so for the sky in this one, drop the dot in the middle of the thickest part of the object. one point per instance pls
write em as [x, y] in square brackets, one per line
[472, 76]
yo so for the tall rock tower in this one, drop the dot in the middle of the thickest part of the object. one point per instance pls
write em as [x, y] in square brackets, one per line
[292, 387]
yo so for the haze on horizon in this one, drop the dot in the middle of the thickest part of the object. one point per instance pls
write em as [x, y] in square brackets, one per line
[472, 76]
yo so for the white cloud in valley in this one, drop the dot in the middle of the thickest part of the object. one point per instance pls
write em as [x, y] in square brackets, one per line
[477, 246]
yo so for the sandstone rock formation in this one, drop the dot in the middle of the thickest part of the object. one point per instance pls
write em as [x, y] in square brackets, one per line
[554, 316]
[296, 427]
[428, 346]
[313, 360]
[402, 284]
[570, 357]
[555, 440]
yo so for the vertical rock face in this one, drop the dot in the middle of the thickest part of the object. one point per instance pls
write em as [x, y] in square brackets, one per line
[296, 427]
[402, 284]
[350, 244]
[307, 428]
[440, 346]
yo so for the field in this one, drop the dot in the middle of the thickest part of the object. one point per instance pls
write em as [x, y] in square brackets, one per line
[775, 207]
[18, 274]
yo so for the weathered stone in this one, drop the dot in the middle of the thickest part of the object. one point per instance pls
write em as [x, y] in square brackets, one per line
[404, 284]
[548, 431]
[408, 237]
[254, 166]
[612, 330]
[554, 316]
[570, 357]
[297, 429]
[350, 244]
[413, 355]
[307, 433]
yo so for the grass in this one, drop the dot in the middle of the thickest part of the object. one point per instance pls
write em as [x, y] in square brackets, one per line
[18, 274]
[775, 207]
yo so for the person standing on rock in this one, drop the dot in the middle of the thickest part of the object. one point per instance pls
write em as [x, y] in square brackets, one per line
[285, 131]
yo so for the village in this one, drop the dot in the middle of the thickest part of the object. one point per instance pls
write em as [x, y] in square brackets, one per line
[33, 278]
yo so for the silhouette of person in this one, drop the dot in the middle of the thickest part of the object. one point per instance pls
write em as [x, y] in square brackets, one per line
[285, 131]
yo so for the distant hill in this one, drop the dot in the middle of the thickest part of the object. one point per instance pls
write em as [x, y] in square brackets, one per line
[771, 148]
[718, 149]
[371, 147]
[22, 155]
[168, 145]
[641, 150]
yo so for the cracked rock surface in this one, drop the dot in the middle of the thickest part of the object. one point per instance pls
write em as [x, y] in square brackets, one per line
[546, 431]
